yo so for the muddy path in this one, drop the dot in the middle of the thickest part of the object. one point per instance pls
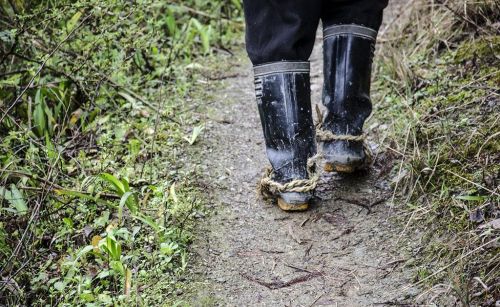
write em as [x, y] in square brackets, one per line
[343, 251]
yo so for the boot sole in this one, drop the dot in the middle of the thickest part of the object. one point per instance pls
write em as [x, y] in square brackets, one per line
[339, 168]
[289, 207]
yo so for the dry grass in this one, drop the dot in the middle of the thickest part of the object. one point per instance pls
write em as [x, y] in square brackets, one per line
[437, 86]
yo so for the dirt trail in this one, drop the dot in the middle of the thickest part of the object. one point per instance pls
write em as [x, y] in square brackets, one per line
[341, 252]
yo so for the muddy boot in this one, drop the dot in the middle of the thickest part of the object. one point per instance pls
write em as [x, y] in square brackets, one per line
[348, 54]
[283, 98]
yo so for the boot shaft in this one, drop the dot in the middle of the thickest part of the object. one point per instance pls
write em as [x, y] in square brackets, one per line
[347, 54]
[284, 103]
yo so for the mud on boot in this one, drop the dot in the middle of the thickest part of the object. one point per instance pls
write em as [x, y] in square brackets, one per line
[347, 54]
[344, 153]
[283, 98]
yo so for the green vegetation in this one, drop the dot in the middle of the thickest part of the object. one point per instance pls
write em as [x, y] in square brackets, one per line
[438, 86]
[97, 195]
[98, 191]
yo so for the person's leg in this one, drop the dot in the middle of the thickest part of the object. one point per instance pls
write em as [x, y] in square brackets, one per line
[349, 33]
[280, 37]
[367, 13]
[280, 30]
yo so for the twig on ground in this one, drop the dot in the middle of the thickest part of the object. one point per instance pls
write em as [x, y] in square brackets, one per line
[271, 251]
[282, 284]
[297, 268]
[365, 206]
[317, 299]
[308, 250]
[335, 256]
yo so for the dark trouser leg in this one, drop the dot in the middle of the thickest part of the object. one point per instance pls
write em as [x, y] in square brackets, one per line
[349, 33]
[366, 13]
[280, 37]
[280, 30]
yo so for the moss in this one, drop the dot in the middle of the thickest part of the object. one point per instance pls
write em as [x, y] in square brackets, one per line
[482, 49]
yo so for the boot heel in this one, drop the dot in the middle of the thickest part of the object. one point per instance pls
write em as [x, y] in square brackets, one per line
[340, 168]
[291, 207]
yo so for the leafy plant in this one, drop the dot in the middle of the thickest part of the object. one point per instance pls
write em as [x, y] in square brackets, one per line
[90, 132]
[122, 188]
[15, 198]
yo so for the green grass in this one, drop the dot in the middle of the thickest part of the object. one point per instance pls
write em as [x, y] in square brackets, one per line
[438, 93]
[98, 189]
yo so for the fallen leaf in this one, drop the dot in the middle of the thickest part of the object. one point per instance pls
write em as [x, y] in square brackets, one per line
[128, 282]
[95, 243]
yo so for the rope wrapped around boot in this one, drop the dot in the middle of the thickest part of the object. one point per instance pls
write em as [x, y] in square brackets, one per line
[270, 189]
[328, 136]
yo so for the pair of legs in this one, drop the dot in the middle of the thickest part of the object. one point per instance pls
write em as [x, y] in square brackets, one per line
[284, 30]
[280, 36]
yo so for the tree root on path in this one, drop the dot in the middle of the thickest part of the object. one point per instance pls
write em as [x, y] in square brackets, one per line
[283, 284]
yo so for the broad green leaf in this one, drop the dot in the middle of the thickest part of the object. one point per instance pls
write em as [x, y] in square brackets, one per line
[50, 148]
[128, 98]
[126, 186]
[50, 120]
[113, 247]
[237, 4]
[129, 202]
[168, 248]
[134, 146]
[171, 24]
[204, 33]
[117, 184]
[68, 222]
[84, 251]
[4, 193]
[59, 286]
[39, 118]
[103, 274]
[70, 25]
[17, 200]
[118, 267]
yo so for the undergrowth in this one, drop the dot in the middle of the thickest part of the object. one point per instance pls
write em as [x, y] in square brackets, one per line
[97, 196]
[438, 94]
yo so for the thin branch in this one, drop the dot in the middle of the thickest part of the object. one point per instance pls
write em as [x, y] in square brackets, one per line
[283, 284]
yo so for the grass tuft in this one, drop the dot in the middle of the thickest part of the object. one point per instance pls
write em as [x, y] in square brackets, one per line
[437, 87]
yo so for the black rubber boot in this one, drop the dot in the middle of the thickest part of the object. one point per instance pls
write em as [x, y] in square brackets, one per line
[348, 54]
[283, 98]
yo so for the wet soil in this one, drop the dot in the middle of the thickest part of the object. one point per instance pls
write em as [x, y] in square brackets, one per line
[344, 251]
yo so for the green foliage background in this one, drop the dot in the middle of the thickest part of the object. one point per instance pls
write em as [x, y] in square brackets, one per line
[96, 205]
